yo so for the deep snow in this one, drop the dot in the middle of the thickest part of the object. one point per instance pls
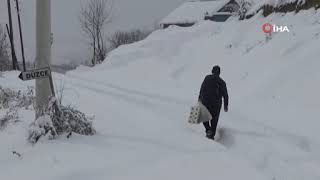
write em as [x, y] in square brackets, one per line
[141, 97]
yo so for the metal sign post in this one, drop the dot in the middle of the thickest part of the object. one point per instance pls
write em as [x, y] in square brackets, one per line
[38, 74]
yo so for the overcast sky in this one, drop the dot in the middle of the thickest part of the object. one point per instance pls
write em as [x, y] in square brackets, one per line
[69, 43]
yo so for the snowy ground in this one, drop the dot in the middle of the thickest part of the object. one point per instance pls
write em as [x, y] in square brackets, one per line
[141, 98]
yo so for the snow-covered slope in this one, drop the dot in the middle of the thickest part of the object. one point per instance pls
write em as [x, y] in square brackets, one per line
[141, 97]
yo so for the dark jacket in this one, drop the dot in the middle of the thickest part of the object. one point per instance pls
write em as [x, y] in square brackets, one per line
[213, 89]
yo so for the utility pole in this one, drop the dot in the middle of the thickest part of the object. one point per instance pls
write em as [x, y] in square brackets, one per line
[43, 54]
[13, 53]
[21, 38]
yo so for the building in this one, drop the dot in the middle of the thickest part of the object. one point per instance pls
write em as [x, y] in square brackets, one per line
[192, 12]
[229, 9]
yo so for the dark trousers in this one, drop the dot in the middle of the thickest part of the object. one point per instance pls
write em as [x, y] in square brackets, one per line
[215, 113]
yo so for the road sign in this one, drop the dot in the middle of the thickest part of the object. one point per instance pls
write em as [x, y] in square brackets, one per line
[35, 74]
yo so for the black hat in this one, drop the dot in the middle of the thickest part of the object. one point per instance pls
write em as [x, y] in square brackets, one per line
[216, 70]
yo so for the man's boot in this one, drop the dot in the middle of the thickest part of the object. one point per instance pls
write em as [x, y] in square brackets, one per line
[210, 134]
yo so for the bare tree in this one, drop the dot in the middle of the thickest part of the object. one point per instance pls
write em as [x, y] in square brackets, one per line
[4, 51]
[93, 18]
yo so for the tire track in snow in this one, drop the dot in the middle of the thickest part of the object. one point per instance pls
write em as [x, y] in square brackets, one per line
[118, 95]
[302, 142]
[268, 149]
[161, 107]
[134, 92]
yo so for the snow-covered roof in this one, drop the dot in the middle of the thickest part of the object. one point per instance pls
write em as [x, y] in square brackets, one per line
[222, 13]
[191, 12]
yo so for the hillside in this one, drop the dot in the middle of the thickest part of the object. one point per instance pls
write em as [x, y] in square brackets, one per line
[141, 98]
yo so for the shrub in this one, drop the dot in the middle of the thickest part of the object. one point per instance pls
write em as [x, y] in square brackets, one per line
[11, 101]
[127, 37]
[295, 6]
[58, 120]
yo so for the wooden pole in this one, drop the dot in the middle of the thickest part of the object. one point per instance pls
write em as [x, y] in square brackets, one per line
[11, 44]
[21, 38]
[13, 53]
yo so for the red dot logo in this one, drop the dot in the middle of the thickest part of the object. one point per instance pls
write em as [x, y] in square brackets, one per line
[267, 28]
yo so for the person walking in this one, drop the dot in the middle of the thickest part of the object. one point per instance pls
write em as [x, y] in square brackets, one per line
[213, 90]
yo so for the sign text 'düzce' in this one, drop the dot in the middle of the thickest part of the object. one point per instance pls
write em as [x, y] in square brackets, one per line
[35, 74]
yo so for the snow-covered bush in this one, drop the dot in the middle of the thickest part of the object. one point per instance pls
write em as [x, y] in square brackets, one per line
[58, 120]
[268, 7]
[10, 102]
[43, 126]
[127, 37]
[20, 99]
[72, 120]
[10, 116]
[55, 120]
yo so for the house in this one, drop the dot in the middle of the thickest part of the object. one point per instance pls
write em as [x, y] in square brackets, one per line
[230, 9]
[192, 12]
